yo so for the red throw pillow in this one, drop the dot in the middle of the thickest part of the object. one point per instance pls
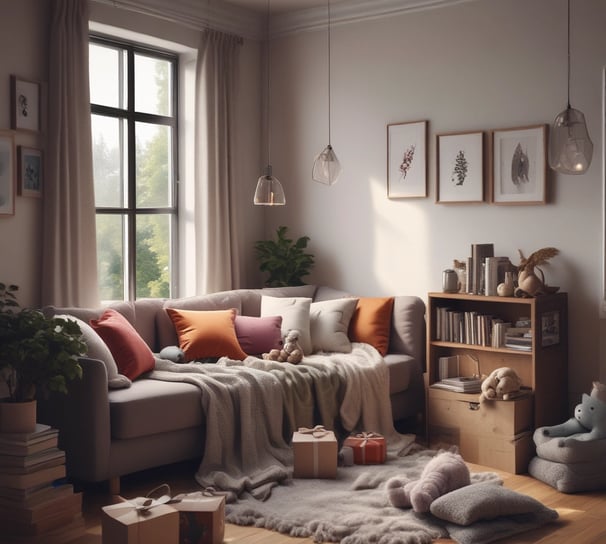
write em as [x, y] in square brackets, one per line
[371, 322]
[132, 355]
[258, 335]
[206, 333]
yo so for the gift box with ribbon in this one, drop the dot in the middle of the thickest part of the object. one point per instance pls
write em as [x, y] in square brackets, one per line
[201, 517]
[315, 453]
[143, 520]
[368, 448]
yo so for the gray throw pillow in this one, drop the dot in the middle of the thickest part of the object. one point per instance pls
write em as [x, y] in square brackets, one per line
[97, 349]
[483, 501]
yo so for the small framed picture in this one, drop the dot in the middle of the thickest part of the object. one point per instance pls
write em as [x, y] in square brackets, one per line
[31, 176]
[460, 167]
[25, 104]
[407, 160]
[519, 165]
[7, 173]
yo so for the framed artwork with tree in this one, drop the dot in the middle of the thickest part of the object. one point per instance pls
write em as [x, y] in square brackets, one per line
[460, 167]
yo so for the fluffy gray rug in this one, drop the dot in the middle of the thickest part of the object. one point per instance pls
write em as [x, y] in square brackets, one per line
[353, 509]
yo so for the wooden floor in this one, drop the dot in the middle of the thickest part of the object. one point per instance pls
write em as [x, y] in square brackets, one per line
[582, 516]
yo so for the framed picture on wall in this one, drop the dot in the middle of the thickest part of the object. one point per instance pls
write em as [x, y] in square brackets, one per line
[7, 173]
[29, 182]
[460, 167]
[25, 104]
[519, 165]
[407, 160]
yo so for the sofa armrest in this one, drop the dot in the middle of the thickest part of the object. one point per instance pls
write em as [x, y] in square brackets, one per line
[408, 328]
[82, 417]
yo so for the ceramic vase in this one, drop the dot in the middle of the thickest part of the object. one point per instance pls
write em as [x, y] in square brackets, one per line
[506, 288]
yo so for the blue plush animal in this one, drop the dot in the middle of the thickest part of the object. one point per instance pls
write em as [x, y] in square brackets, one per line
[588, 423]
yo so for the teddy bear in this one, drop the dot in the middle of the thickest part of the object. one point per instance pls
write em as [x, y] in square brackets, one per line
[444, 473]
[501, 383]
[291, 351]
[588, 423]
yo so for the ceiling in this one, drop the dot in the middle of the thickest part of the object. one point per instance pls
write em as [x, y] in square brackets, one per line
[279, 6]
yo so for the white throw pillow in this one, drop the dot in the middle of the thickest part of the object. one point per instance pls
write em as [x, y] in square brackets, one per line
[295, 315]
[97, 349]
[329, 322]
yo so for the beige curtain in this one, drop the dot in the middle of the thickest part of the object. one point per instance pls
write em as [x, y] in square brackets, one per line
[69, 262]
[215, 215]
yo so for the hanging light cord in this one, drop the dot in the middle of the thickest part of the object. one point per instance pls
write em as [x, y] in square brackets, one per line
[328, 34]
[568, 54]
[267, 121]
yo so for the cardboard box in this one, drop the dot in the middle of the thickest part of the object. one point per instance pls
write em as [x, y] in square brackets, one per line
[201, 517]
[122, 523]
[315, 453]
[368, 448]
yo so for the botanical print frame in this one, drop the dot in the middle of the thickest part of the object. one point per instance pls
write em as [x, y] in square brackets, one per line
[31, 173]
[460, 167]
[7, 174]
[519, 165]
[407, 159]
[25, 104]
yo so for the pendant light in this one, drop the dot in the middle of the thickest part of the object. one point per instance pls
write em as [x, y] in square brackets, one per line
[327, 167]
[570, 147]
[269, 191]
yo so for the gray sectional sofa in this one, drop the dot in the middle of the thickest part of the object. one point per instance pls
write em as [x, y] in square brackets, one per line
[108, 433]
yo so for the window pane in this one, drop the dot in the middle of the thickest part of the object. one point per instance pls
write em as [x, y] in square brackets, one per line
[110, 256]
[152, 85]
[106, 69]
[154, 172]
[153, 255]
[108, 161]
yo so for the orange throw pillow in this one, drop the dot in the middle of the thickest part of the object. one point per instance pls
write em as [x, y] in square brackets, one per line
[132, 355]
[206, 333]
[371, 322]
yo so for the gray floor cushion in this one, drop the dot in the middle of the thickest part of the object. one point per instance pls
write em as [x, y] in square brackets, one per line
[581, 452]
[570, 477]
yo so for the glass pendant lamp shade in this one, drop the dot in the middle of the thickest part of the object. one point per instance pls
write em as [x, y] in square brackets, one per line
[269, 190]
[327, 167]
[570, 147]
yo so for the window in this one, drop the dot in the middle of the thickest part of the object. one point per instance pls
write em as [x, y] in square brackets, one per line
[134, 130]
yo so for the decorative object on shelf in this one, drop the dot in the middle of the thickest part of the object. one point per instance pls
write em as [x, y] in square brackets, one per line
[460, 267]
[507, 288]
[450, 281]
[7, 173]
[25, 104]
[460, 167]
[407, 160]
[529, 284]
[30, 171]
[269, 191]
[519, 165]
[327, 168]
[501, 384]
[285, 259]
[570, 146]
[37, 354]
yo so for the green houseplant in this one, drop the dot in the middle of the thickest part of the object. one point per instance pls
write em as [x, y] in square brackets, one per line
[38, 354]
[285, 259]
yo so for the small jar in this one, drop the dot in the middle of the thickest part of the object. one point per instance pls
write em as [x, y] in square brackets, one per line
[450, 281]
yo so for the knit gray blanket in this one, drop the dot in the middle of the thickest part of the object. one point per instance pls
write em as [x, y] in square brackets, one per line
[253, 406]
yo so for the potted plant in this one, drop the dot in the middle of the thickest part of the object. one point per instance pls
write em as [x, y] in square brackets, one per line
[38, 355]
[284, 259]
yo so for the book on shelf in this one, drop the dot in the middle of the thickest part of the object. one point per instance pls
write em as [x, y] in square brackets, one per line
[57, 459]
[479, 252]
[39, 495]
[448, 366]
[494, 273]
[460, 384]
[39, 477]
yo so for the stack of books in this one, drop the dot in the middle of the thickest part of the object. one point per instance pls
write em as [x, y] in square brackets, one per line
[460, 384]
[36, 501]
[520, 336]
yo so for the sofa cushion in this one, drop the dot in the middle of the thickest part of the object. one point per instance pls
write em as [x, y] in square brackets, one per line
[402, 371]
[206, 333]
[258, 335]
[225, 300]
[329, 323]
[97, 349]
[132, 355]
[371, 322]
[408, 327]
[295, 315]
[152, 406]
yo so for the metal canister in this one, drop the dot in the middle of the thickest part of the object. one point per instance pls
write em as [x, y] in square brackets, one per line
[450, 281]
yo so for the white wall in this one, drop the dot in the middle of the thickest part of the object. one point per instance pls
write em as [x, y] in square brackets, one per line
[477, 65]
